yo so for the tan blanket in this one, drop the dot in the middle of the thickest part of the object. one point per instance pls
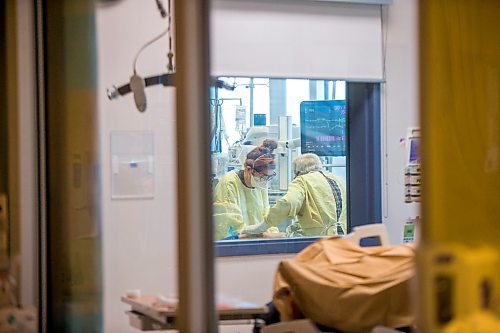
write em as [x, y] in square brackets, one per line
[351, 288]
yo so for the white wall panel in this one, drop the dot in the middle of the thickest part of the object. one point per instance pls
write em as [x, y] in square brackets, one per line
[400, 112]
[139, 235]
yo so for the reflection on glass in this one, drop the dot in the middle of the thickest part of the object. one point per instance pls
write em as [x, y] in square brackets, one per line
[278, 158]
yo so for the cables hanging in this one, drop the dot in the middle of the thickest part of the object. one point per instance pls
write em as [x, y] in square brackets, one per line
[163, 14]
[137, 84]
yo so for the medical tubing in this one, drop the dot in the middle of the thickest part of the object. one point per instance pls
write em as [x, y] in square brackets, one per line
[147, 44]
[157, 37]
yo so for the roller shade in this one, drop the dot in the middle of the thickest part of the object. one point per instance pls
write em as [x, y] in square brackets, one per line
[296, 39]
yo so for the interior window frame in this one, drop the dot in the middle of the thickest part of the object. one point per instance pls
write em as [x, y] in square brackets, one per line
[363, 162]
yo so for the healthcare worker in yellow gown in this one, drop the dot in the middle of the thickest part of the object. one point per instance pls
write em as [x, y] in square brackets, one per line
[316, 199]
[241, 197]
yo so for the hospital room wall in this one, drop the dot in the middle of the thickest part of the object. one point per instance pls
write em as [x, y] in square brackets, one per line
[399, 112]
[139, 235]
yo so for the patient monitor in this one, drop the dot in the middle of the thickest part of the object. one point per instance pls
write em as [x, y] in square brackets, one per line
[413, 167]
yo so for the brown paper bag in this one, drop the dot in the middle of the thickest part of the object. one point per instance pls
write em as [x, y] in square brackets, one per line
[344, 286]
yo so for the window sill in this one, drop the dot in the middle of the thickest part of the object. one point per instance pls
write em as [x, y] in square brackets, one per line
[261, 246]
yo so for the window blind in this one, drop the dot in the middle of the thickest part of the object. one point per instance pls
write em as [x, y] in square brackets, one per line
[296, 40]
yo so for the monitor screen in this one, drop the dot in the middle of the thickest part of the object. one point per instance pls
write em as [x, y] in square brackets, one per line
[323, 127]
[414, 150]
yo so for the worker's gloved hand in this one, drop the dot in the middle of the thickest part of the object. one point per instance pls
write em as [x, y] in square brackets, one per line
[255, 229]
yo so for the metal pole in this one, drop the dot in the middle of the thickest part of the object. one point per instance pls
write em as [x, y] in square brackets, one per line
[42, 171]
[196, 263]
[251, 86]
[285, 162]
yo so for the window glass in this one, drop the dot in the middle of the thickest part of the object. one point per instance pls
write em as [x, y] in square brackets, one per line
[264, 184]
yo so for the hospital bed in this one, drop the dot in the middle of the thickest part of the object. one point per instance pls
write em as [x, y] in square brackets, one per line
[307, 326]
[377, 234]
[146, 315]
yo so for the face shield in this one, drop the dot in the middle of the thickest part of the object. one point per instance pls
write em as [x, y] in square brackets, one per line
[263, 170]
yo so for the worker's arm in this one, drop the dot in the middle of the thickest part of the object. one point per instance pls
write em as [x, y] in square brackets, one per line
[287, 207]
[227, 211]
